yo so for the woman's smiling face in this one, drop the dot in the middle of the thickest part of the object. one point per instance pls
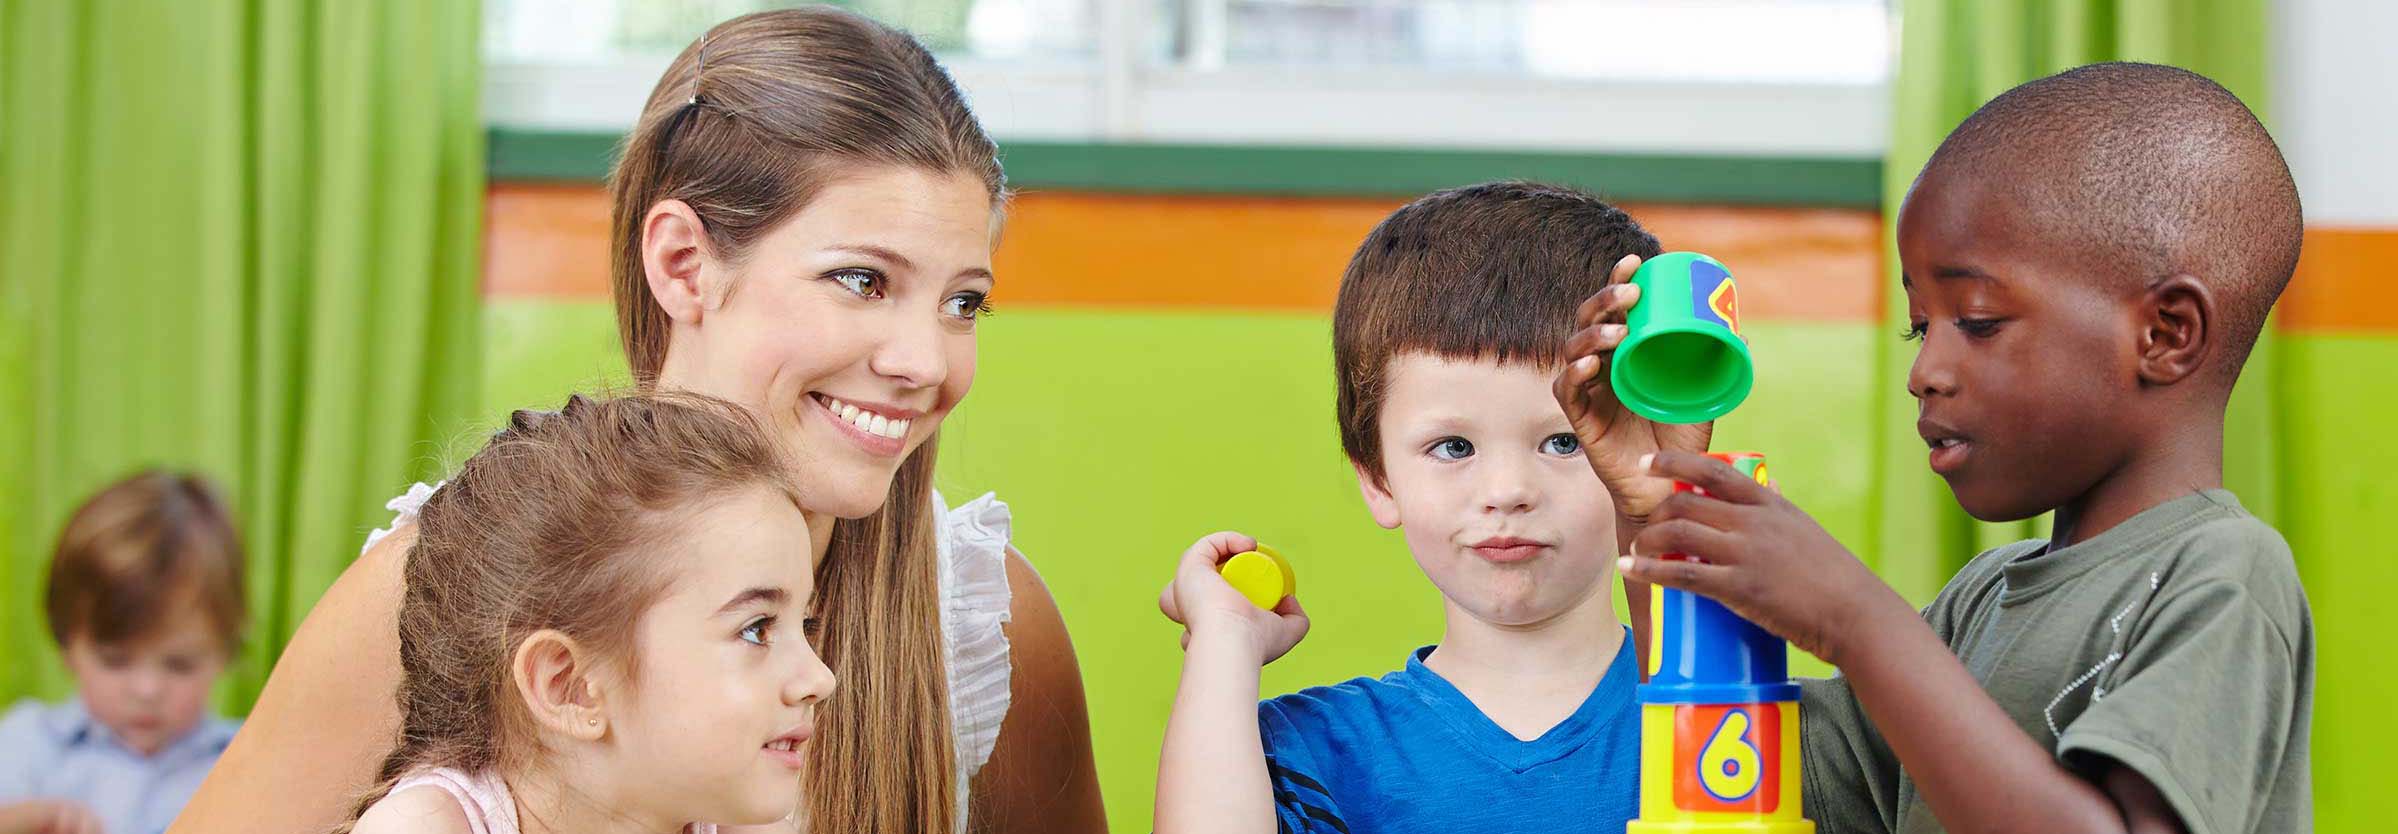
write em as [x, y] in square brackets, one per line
[849, 327]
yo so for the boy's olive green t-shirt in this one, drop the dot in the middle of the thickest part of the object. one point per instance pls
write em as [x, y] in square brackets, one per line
[2177, 644]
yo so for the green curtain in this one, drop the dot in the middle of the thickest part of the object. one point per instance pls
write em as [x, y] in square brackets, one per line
[1953, 56]
[240, 238]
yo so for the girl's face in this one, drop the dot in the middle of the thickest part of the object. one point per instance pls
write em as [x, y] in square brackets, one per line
[725, 687]
[850, 327]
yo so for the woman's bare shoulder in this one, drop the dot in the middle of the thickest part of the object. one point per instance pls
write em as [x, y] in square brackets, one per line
[327, 715]
[1041, 776]
[1036, 631]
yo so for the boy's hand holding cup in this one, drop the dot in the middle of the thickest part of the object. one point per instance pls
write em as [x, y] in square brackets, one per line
[1643, 378]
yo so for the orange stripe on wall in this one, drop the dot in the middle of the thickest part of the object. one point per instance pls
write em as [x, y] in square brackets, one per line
[1225, 252]
[1261, 253]
[2343, 282]
[551, 240]
[545, 241]
[1793, 264]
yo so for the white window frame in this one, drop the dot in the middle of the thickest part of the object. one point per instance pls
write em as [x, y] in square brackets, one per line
[1118, 99]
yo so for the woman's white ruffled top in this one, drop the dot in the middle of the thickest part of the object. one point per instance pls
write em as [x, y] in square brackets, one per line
[973, 540]
[974, 607]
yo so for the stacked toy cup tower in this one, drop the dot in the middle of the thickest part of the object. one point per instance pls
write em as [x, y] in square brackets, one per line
[1719, 726]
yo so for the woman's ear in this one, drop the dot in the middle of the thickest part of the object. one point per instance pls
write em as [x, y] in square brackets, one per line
[553, 675]
[674, 255]
[1378, 497]
[2176, 318]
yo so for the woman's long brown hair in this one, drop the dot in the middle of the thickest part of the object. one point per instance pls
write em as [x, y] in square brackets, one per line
[745, 127]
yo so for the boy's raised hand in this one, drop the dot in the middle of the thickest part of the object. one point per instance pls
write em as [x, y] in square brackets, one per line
[1206, 605]
[1613, 438]
[1761, 556]
[1211, 771]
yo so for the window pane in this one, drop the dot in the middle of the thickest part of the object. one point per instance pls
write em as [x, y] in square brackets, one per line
[595, 31]
[1818, 41]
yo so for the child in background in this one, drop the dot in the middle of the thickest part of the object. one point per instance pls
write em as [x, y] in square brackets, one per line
[604, 631]
[145, 601]
[2088, 260]
[1451, 323]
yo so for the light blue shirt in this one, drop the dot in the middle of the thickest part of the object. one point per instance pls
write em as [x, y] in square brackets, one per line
[57, 751]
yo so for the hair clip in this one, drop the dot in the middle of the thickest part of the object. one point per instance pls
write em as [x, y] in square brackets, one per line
[699, 68]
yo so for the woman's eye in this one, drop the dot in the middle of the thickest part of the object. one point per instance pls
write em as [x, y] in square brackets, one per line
[866, 283]
[968, 306]
[1914, 331]
[1561, 444]
[1452, 448]
[757, 630]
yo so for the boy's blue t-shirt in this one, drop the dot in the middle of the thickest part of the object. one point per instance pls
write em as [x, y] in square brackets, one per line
[1408, 752]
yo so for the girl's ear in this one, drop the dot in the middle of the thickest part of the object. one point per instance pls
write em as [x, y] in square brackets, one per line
[1378, 497]
[553, 675]
[675, 256]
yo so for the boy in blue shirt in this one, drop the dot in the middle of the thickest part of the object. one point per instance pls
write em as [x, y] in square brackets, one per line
[1447, 335]
[145, 600]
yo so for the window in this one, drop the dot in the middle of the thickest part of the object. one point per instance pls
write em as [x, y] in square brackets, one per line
[1771, 41]
[1704, 77]
[599, 31]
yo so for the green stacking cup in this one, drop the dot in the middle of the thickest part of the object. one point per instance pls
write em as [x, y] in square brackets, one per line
[1682, 359]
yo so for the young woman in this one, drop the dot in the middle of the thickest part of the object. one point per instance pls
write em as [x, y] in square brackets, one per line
[804, 217]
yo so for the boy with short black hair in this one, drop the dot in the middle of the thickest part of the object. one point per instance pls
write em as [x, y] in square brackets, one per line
[1446, 338]
[2088, 260]
[145, 600]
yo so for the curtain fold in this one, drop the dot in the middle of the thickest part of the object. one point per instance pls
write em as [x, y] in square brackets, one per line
[240, 239]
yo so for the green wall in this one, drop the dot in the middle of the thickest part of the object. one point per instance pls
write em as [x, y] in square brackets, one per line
[2340, 487]
[1120, 436]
